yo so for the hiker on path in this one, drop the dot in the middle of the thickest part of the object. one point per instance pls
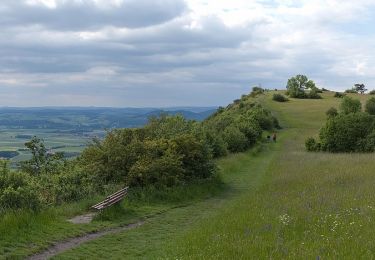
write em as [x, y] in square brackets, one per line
[274, 137]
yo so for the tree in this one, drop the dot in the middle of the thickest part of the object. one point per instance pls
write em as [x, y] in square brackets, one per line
[297, 85]
[41, 161]
[350, 105]
[370, 106]
[360, 88]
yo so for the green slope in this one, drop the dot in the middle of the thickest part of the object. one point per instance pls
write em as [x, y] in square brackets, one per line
[283, 203]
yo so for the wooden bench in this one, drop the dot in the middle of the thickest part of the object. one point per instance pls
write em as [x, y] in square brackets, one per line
[111, 199]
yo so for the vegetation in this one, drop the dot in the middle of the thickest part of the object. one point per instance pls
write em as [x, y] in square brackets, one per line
[301, 87]
[273, 201]
[360, 88]
[283, 203]
[332, 112]
[279, 97]
[339, 95]
[370, 106]
[372, 92]
[168, 151]
[350, 105]
[351, 91]
[348, 131]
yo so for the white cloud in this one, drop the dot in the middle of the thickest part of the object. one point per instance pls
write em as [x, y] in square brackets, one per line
[211, 49]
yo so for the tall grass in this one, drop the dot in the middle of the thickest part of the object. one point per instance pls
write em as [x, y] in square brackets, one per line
[314, 205]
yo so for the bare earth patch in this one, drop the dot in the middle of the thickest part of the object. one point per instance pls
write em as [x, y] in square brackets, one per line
[74, 242]
[82, 219]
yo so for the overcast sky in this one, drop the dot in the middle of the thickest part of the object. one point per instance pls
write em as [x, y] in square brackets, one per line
[175, 53]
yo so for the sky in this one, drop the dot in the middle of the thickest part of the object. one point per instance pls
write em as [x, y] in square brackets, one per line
[160, 53]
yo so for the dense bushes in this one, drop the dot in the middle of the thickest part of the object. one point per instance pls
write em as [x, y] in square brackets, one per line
[279, 98]
[171, 150]
[350, 105]
[344, 132]
[167, 151]
[332, 112]
[17, 190]
[349, 131]
[370, 106]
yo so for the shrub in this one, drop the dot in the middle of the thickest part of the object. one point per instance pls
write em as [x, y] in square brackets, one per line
[350, 105]
[370, 106]
[311, 145]
[313, 94]
[372, 92]
[256, 91]
[165, 171]
[332, 112]
[236, 140]
[343, 132]
[353, 91]
[339, 95]
[279, 98]
[366, 144]
[17, 190]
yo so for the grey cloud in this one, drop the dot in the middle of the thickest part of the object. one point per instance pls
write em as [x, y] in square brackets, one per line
[86, 15]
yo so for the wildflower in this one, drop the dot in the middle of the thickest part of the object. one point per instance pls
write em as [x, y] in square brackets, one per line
[285, 219]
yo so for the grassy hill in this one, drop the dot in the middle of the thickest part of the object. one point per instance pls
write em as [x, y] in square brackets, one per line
[277, 201]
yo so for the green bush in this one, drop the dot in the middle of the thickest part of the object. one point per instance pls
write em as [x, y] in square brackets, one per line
[256, 91]
[372, 92]
[350, 105]
[313, 94]
[236, 140]
[339, 95]
[279, 98]
[332, 112]
[370, 106]
[311, 145]
[165, 171]
[344, 132]
[351, 91]
[17, 190]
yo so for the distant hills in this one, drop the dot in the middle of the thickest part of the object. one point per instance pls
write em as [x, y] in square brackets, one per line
[89, 118]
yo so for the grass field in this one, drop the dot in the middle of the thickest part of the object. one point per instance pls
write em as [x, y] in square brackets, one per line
[288, 204]
[278, 201]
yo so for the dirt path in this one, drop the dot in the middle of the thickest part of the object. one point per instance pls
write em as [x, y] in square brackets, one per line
[60, 247]
[82, 219]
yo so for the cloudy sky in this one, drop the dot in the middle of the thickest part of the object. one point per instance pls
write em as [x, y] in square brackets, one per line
[176, 53]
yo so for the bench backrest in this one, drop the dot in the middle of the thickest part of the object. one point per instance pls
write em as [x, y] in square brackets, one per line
[111, 199]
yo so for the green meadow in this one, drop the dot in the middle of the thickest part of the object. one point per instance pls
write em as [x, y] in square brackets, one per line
[275, 201]
[285, 203]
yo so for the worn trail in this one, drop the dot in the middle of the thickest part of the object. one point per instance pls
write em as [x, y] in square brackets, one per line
[74, 242]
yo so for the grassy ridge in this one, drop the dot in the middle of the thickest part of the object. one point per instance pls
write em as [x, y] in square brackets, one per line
[314, 205]
[304, 205]
[281, 202]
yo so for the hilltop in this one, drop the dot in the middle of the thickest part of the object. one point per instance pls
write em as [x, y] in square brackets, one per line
[275, 200]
